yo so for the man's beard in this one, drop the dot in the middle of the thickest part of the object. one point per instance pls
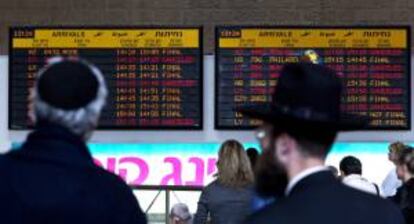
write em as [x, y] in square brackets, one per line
[271, 176]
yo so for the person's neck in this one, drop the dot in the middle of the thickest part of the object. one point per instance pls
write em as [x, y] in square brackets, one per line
[302, 165]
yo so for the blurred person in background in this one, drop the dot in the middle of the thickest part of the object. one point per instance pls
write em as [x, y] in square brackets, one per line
[51, 177]
[180, 214]
[269, 183]
[227, 200]
[262, 197]
[334, 171]
[302, 122]
[351, 172]
[404, 197]
[253, 155]
[391, 182]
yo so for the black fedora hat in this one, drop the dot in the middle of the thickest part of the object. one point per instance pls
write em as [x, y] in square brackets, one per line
[307, 96]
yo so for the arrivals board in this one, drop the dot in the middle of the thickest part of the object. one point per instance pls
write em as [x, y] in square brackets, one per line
[373, 63]
[154, 74]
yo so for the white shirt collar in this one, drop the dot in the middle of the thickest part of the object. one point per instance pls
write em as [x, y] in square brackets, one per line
[352, 176]
[302, 175]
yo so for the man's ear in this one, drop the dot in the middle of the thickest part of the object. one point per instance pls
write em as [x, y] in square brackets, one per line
[31, 110]
[284, 147]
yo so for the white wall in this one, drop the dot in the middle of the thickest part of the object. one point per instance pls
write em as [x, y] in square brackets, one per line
[4, 93]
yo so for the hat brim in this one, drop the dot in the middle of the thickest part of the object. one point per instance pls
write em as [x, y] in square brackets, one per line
[283, 120]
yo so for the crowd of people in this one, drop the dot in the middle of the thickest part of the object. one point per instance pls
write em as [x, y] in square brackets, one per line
[399, 190]
[52, 178]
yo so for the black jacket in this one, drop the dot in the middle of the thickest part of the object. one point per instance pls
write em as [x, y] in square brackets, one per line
[321, 199]
[404, 198]
[52, 179]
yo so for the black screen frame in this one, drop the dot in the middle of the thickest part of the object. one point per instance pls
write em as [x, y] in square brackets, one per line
[107, 128]
[217, 126]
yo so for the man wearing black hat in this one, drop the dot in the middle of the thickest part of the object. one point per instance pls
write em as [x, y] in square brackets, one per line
[302, 121]
[52, 178]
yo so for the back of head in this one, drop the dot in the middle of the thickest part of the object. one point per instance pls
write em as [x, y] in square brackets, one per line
[70, 93]
[253, 155]
[234, 169]
[181, 214]
[314, 139]
[406, 158]
[350, 165]
[396, 149]
[315, 145]
[409, 161]
[405, 164]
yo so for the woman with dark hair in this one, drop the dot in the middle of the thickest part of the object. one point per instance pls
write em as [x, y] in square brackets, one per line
[405, 194]
[228, 199]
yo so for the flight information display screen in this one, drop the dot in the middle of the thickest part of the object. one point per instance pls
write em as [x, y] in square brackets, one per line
[154, 74]
[373, 62]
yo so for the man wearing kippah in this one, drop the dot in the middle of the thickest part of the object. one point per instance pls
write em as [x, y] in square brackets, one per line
[302, 122]
[52, 178]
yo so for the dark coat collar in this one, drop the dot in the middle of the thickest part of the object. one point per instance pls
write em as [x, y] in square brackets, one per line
[54, 143]
[410, 183]
[314, 180]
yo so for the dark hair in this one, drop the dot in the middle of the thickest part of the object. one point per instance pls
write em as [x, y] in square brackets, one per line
[253, 155]
[350, 165]
[312, 142]
[397, 147]
[404, 157]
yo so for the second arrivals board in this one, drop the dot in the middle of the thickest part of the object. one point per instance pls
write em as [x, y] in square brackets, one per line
[373, 62]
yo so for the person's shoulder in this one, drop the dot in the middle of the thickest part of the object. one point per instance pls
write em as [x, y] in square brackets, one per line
[373, 204]
[117, 189]
[121, 195]
[389, 212]
[356, 202]
[4, 165]
[109, 177]
[13, 156]
[349, 193]
[217, 186]
[113, 183]
[5, 159]
[217, 189]
[212, 187]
